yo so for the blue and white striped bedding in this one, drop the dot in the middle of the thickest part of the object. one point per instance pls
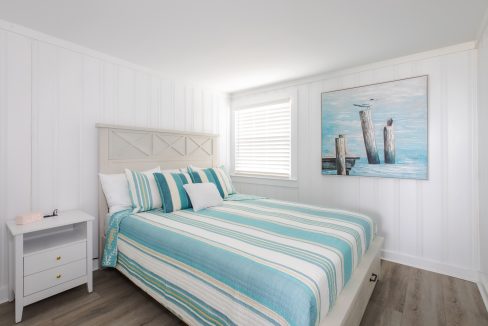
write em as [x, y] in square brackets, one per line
[248, 262]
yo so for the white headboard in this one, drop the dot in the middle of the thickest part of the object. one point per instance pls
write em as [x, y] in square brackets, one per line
[136, 148]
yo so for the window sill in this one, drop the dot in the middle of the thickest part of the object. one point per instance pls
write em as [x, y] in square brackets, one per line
[262, 180]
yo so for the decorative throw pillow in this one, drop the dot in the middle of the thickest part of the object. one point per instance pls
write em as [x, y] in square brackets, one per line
[216, 176]
[173, 195]
[203, 195]
[143, 190]
[116, 190]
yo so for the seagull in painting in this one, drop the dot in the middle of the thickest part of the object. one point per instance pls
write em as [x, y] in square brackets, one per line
[366, 105]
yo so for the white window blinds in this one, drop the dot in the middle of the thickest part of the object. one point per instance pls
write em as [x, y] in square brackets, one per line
[263, 140]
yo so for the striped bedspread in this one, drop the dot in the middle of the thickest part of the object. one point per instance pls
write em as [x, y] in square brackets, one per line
[248, 262]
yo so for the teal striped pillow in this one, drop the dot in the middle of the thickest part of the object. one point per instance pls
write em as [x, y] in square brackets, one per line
[143, 190]
[173, 195]
[214, 175]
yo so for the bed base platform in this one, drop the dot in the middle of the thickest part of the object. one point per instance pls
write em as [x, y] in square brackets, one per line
[352, 301]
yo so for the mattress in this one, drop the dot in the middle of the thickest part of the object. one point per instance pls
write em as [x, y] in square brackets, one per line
[248, 262]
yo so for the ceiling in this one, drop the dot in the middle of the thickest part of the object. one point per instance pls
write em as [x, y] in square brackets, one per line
[232, 45]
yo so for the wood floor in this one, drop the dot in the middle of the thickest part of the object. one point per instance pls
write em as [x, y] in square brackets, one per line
[411, 296]
[404, 296]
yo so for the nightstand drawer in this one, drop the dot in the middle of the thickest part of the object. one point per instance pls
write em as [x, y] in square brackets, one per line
[52, 277]
[47, 259]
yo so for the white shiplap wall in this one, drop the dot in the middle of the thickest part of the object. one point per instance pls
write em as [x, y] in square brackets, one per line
[483, 157]
[431, 224]
[51, 95]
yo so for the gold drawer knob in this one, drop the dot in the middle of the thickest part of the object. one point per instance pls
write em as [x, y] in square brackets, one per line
[58, 276]
[58, 258]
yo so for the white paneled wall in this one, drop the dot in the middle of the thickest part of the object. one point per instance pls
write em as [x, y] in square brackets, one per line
[483, 158]
[52, 94]
[430, 224]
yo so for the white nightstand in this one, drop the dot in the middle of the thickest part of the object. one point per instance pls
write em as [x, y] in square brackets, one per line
[49, 257]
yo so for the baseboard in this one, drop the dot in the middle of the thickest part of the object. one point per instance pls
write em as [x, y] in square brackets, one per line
[95, 264]
[3, 294]
[483, 287]
[431, 265]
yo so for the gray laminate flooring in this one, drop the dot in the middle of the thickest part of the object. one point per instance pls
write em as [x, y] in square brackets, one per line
[410, 296]
[404, 296]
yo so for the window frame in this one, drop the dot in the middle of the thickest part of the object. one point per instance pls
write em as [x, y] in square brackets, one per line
[246, 102]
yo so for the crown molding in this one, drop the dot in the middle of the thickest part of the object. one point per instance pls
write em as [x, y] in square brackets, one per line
[467, 46]
[70, 46]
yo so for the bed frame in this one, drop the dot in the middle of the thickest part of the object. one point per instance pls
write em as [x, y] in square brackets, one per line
[123, 147]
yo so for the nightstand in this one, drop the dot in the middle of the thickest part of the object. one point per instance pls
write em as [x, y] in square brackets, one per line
[49, 257]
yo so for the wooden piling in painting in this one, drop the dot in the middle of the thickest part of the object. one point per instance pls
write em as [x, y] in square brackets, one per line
[369, 137]
[340, 144]
[389, 139]
[345, 143]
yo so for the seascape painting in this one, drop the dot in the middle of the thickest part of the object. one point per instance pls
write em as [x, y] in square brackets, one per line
[377, 130]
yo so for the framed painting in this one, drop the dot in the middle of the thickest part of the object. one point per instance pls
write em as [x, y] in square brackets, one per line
[378, 130]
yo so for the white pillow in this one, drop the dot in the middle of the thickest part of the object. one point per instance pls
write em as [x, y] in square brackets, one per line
[116, 190]
[203, 195]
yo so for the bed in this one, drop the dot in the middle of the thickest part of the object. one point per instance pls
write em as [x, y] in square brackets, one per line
[252, 261]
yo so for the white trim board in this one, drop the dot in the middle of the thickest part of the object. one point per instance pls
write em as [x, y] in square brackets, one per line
[430, 265]
[3, 294]
[483, 287]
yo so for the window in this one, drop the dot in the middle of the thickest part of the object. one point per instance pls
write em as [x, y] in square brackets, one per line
[263, 140]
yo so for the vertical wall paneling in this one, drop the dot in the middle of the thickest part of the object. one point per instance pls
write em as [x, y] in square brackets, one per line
[45, 106]
[92, 110]
[51, 97]
[167, 101]
[302, 105]
[141, 100]
[474, 198]
[419, 219]
[68, 138]
[18, 100]
[189, 118]
[3, 161]
[126, 101]
[15, 124]
[198, 109]
[179, 106]
[109, 93]
[459, 149]
[482, 132]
